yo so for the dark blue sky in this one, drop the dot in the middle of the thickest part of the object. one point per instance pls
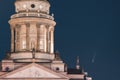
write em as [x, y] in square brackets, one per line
[85, 28]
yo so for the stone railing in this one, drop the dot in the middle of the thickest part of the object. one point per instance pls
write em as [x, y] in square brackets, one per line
[38, 15]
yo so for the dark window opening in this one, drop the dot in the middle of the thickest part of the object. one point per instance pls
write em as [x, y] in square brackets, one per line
[57, 69]
[32, 5]
[7, 69]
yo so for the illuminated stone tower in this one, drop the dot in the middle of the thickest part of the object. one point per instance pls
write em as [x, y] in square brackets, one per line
[32, 28]
[32, 55]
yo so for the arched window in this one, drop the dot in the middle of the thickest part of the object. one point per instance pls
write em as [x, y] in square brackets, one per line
[57, 69]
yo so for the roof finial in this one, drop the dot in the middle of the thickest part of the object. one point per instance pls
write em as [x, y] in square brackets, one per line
[57, 55]
[77, 63]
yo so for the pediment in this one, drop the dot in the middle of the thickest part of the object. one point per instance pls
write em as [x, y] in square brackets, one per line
[34, 71]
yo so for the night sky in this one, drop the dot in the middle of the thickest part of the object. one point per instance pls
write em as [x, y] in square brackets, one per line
[89, 29]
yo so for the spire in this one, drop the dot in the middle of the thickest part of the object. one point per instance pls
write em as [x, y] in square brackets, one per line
[77, 63]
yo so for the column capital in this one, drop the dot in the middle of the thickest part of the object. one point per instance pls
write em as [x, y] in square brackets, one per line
[38, 25]
[27, 24]
[51, 28]
[17, 25]
[12, 26]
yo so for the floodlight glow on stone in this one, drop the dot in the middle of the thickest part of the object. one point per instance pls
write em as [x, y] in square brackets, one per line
[24, 6]
[40, 7]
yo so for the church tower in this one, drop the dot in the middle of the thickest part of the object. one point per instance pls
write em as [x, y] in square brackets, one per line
[32, 29]
[32, 55]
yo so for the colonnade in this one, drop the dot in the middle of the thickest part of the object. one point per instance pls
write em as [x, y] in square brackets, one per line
[26, 36]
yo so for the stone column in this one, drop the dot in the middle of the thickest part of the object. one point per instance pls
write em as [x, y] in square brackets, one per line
[49, 39]
[52, 40]
[38, 37]
[27, 36]
[41, 41]
[45, 40]
[16, 40]
[18, 37]
[12, 39]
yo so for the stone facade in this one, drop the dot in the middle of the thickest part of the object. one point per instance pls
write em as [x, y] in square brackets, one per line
[29, 33]
[32, 28]
[32, 55]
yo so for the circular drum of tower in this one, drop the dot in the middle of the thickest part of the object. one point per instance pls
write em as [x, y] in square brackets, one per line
[32, 32]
